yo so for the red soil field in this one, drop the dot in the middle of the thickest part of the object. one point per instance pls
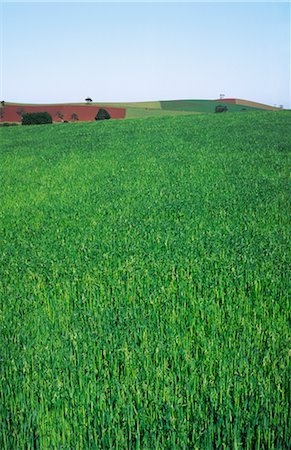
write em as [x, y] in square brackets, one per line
[85, 113]
[228, 100]
[239, 101]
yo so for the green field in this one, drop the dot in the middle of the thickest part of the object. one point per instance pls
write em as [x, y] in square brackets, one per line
[202, 106]
[142, 113]
[144, 283]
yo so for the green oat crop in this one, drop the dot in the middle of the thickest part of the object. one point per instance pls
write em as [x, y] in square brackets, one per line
[144, 284]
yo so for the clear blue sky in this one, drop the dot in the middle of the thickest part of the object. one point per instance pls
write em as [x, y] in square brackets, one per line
[64, 52]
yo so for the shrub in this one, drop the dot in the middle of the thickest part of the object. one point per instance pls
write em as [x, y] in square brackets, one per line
[8, 124]
[102, 114]
[36, 118]
[220, 109]
[74, 117]
[60, 116]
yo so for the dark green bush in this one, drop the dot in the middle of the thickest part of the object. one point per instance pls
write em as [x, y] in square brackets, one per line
[8, 124]
[220, 109]
[36, 118]
[102, 114]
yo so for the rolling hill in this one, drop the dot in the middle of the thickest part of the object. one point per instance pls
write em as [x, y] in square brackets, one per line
[11, 112]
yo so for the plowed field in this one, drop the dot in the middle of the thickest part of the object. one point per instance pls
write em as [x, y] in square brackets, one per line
[238, 101]
[85, 113]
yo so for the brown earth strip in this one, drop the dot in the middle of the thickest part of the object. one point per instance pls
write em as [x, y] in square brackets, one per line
[85, 113]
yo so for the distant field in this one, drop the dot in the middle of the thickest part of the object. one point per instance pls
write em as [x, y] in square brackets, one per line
[87, 112]
[134, 113]
[205, 106]
[144, 283]
[139, 105]
[59, 113]
[249, 103]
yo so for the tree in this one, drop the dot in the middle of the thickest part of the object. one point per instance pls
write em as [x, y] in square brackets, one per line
[2, 103]
[102, 114]
[74, 117]
[60, 116]
[220, 109]
[88, 100]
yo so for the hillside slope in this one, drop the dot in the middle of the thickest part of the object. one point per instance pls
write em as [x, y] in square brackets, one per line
[11, 112]
[248, 103]
[208, 106]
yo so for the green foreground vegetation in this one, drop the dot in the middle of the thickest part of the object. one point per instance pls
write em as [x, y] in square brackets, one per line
[144, 283]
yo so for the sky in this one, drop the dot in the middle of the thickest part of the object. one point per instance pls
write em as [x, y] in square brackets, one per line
[53, 52]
